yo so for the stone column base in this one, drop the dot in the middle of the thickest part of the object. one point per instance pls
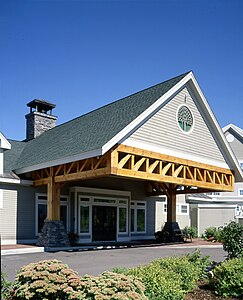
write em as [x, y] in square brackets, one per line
[172, 232]
[53, 234]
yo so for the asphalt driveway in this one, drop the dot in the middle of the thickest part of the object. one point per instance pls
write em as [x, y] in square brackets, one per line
[96, 261]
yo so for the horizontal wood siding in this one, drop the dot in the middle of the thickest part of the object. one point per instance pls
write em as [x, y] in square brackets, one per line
[26, 213]
[8, 214]
[162, 130]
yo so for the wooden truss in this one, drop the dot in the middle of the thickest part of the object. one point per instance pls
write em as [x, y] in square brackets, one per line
[79, 170]
[141, 164]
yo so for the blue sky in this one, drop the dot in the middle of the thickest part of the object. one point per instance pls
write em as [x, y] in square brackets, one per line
[81, 55]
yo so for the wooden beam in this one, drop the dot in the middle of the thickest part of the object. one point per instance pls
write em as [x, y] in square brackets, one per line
[53, 200]
[83, 175]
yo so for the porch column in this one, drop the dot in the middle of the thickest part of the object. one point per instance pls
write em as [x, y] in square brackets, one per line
[53, 200]
[171, 227]
[171, 206]
[53, 233]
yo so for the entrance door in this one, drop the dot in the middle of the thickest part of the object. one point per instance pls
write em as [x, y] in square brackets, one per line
[104, 223]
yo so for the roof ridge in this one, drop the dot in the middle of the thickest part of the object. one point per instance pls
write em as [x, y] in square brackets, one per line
[111, 103]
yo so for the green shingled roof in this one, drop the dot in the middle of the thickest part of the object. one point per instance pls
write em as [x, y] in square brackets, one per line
[11, 156]
[92, 130]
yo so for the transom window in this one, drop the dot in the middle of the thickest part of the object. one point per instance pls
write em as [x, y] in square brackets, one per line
[185, 118]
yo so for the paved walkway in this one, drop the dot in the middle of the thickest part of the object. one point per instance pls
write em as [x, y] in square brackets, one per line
[25, 248]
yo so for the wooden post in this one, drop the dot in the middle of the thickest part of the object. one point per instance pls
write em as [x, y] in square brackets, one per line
[53, 200]
[171, 205]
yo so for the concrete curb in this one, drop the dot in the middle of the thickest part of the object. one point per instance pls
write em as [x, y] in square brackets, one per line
[22, 251]
[97, 248]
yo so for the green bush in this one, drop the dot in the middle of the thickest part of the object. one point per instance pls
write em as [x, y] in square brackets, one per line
[5, 286]
[170, 278]
[159, 283]
[48, 279]
[52, 280]
[111, 286]
[227, 279]
[190, 232]
[232, 238]
[213, 234]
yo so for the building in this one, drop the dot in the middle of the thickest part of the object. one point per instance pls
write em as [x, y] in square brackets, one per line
[215, 209]
[106, 174]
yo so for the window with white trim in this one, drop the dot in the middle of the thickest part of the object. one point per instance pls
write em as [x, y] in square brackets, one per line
[138, 216]
[240, 192]
[85, 216]
[41, 211]
[181, 209]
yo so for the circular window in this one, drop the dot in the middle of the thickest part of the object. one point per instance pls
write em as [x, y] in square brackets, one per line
[185, 118]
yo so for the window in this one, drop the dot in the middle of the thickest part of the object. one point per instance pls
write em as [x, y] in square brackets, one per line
[184, 209]
[184, 118]
[41, 211]
[84, 219]
[138, 216]
[181, 209]
[240, 192]
[241, 165]
[84, 215]
[122, 219]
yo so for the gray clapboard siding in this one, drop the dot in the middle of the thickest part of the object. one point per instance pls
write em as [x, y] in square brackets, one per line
[162, 130]
[237, 147]
[8, 215]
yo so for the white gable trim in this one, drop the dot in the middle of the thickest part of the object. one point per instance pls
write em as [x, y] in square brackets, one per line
[236, 129]
[147, 113]
[211, 121]
[4, 143]
[224, 146]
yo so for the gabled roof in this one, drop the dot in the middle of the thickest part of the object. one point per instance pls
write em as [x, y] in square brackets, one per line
[4, 144]
[95, 133]
[86, 135]
[235, 129]
[11, 156]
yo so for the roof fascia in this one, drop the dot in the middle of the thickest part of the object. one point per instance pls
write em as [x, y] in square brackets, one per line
[229, 127]
[219, 133]
[4, 143]
[84, 155]
[148, 112]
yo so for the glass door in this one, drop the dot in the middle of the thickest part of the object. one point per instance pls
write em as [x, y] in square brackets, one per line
[104, 223]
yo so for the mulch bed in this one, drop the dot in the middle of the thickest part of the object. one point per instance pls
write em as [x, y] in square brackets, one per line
[204, 292]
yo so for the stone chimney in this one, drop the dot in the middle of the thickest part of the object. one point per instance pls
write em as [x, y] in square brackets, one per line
[39, 119]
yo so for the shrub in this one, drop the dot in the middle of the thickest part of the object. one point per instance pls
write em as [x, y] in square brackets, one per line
[228, 278]
[210, 232]
[232, 237]
[190, 232]
[5, 286]
[170, 278]
[50, 279]
[159, 283]
[111, 286]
